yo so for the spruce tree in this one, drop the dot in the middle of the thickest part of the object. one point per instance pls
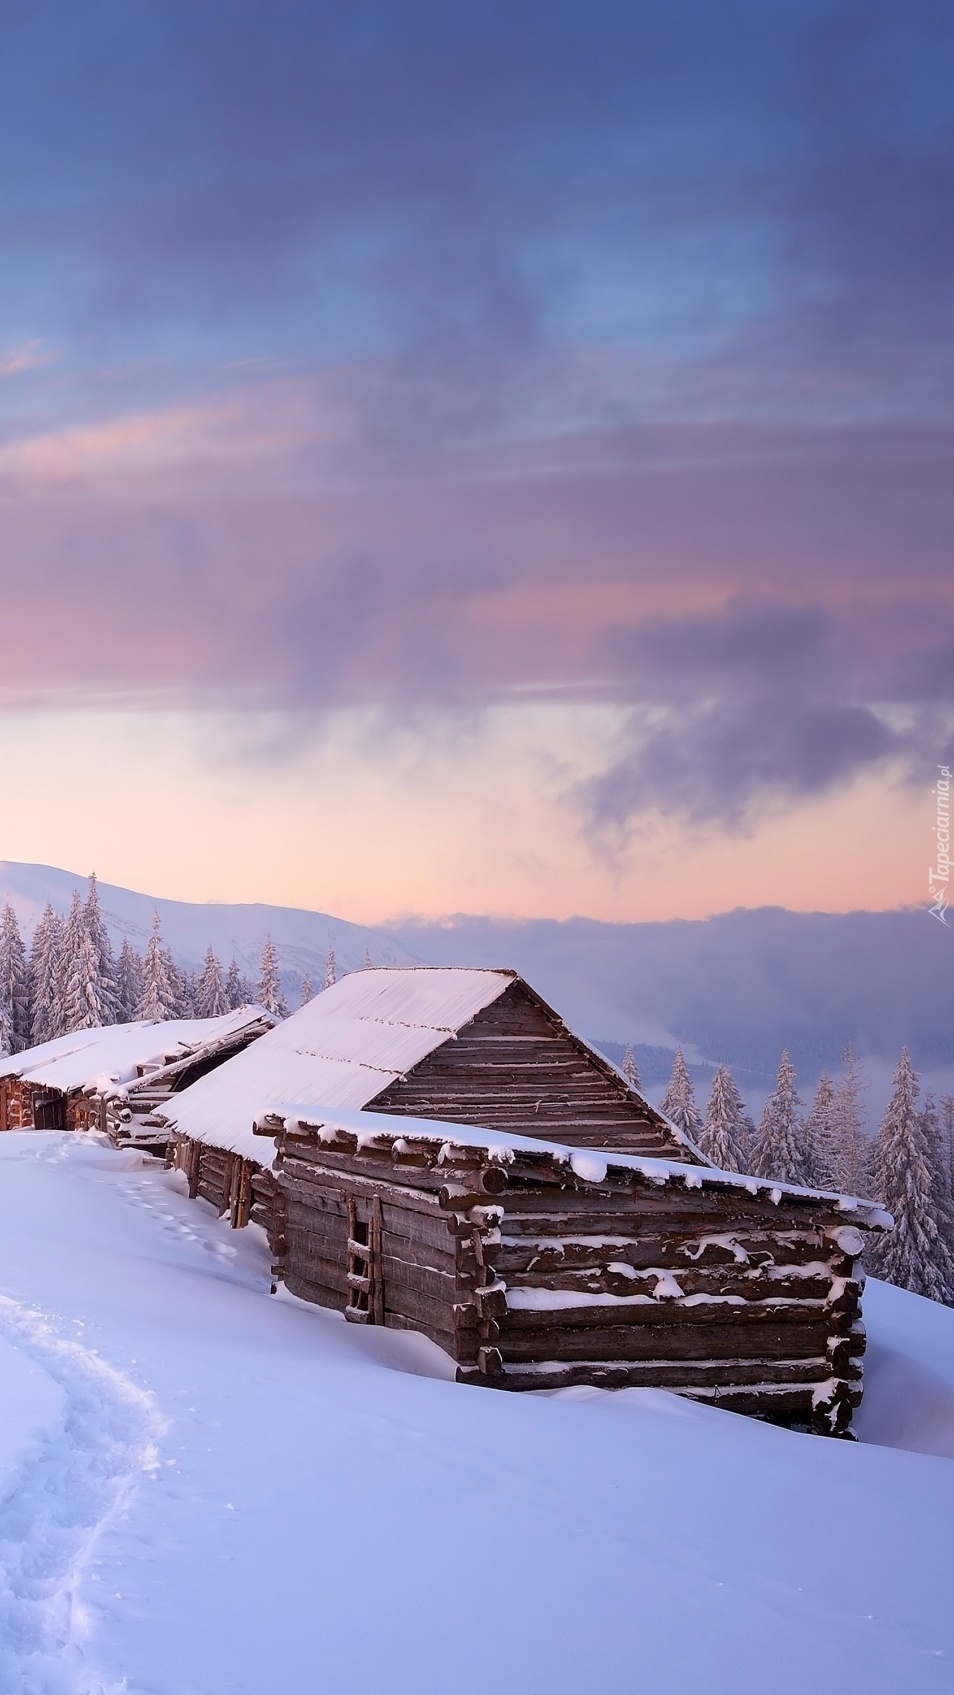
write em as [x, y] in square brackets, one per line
[158, 998]
[679, 1101]
[235, 986]
[14, 985]
[723, 1134]
[779, 1149]
[86, 1006]
[46, 1013]
[943, 1198]
[366, 962]
[914, 1255]
[631, 1071]
[269, 983]
[853, 1150]
[182, 983]
[128, 983]
[945, 1113]
[211, 998]
[107, 992]
[307, 992]
[331, 969]
[820, 1138]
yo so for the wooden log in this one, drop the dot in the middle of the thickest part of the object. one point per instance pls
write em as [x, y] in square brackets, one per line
[537, 1257]
[680, 1376]
[719, 1281]
[635, 1342]
[643, 1314]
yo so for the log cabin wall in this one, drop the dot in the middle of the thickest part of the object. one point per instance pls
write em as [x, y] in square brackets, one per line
[389, 1247]
[228, 1182]
[717, 1295]
[23, 1103]
[516, 1067]
[531, 1277]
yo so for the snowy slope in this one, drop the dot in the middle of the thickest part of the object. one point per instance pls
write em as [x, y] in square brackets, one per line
[247, 1495]
[302, 938]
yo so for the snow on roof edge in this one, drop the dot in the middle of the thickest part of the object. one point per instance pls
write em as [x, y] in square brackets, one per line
[591, 1164]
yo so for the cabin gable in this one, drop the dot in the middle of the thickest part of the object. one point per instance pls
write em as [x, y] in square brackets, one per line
[516, 1067]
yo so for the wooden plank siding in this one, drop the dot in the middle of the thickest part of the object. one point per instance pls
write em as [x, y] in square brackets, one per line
[516, 1067]
[231, 1184]
[532, 1277]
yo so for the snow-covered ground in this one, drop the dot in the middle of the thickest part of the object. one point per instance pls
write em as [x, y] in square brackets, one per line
[207, 1489]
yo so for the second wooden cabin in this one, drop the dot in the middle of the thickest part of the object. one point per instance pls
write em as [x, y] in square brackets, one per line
[113, 1076]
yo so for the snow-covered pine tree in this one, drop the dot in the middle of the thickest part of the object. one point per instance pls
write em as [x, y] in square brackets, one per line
[14, 985]
[854, 1152]
[158, 998]
[307, 991]
[366, 962]
[85, 1002]
[128, 983]
[270, 984]
[211, 997]
[913, 1255]
[819, 1137]
[185, 989]
[631, 1070]
[182, 983]
[235, 986]
[331, 969]
[46, 1020]
[940, 1183]
[779, 1149]
[99, 936]
[679, 1101]
[945, 1113]
[722, 1137]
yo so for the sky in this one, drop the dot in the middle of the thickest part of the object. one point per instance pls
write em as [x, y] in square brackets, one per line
[478, 458]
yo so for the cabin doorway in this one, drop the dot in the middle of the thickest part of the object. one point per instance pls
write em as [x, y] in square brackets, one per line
[49, 1112]
[365, 1280]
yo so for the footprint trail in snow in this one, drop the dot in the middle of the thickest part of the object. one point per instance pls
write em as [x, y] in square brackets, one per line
[79, 1484]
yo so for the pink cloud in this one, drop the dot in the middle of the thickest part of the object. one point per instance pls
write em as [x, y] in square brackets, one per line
[29, 356]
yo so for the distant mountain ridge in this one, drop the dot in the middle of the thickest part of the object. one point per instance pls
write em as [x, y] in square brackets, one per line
[737, 987]
[235, 931]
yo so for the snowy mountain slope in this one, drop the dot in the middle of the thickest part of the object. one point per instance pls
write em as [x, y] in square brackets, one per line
[302, 938]
[249, 1495]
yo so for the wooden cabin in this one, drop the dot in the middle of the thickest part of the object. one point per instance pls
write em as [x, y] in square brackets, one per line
[540, 1267]
[469, 1046]
[113, 1077]
[530, 1212]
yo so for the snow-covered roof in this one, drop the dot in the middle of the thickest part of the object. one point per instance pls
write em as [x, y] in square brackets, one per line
[116, 1054]
[378, 1130]
[342, 1048]
[347, 1045]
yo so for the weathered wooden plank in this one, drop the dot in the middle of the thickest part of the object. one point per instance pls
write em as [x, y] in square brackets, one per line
[664, 1341]
[683, 1375]
[763, 1284]
[320, 1294]
[532, 1260]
